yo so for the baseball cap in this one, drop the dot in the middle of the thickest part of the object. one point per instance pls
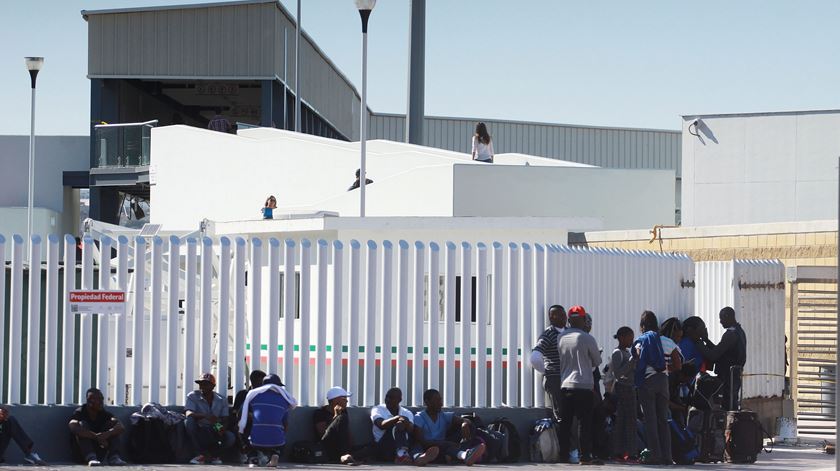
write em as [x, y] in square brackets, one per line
[273, 379]
[576, 311]
[336, 392]
[206, 377]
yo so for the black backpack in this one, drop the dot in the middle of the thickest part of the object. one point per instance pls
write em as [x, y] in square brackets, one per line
[150, 442]
[744, 437]
[308, 452]
[511, 448]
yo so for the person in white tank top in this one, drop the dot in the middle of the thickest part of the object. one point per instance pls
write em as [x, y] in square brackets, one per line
[482, 145]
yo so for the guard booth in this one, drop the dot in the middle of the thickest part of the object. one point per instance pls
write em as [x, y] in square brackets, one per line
[813, 347]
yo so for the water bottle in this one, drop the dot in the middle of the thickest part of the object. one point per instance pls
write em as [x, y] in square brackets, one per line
[574, 457]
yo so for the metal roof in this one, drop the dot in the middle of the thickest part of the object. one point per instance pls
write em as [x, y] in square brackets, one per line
[86, 13]
[758, 113]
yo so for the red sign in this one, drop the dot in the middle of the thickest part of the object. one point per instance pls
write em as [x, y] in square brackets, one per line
[97, 297]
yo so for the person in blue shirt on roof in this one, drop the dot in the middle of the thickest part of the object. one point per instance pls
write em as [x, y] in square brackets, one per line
[434, 427]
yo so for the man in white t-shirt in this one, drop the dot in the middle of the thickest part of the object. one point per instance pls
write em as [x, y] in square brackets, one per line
[392, 427]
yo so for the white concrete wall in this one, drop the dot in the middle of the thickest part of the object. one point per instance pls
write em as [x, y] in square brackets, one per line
[760, 168]
[44, 223]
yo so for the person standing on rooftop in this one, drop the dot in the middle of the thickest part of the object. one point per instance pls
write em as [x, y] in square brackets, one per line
[482, 145]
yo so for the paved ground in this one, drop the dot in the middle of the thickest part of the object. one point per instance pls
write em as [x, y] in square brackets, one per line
[789, 458]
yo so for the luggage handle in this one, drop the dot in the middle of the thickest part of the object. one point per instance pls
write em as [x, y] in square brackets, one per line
[732, 369]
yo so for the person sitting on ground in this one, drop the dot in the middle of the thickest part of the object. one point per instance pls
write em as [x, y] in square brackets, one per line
[693, 327]
[451, 434]
[267, 408]
[393, 426]
[95, 432]
[256, 380]
[332, 429]
[206, 414]
[10, 429]
[270, 206]
[358, 181]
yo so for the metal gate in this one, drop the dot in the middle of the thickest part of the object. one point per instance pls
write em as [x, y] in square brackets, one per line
[813, 347]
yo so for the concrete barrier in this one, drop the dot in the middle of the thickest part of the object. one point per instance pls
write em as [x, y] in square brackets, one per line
[47, 426]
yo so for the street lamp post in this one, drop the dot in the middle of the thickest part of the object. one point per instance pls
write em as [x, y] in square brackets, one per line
[33, 65]
[365, 7]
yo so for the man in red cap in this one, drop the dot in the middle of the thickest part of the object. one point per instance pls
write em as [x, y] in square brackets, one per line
[206, 414]
[579, 355]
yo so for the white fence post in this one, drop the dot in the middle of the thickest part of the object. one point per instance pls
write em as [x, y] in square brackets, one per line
[104, 321]
[237, 376]
[255, 288]
[402, 315]
[305, 319]
[137, 342]
[15, 321]
[289, 311]
[86, 333]
[433, 376]
[172, 321]
[538, 320]
[449, 328]
[223, 318]
[370, 326]
[205, 341]
[337, 313]
[321, 341]
[273, 363]
[526, 316]
[154, 330]
[481, 317]
[121, 323]
[386, 331]
[466, 325]
[353, 322]
[498, 326]
[33, 347]
[512, 334]
[190, 273]
[2, 324]
[418, 314]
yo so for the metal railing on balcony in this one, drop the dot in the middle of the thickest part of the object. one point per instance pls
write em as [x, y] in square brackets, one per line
[123, 144]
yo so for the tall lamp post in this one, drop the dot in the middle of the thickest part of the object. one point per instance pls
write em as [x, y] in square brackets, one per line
[365, 7]
[33, 65]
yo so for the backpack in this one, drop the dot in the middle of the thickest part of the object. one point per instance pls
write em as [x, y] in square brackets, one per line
[543, 444]
[744, 437]
[683, 444]
[150, 442]
[308, 452]
[712, 426]
[706, 390]
[511, 447]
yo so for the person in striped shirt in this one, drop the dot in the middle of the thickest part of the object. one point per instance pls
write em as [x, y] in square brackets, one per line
[545, 357]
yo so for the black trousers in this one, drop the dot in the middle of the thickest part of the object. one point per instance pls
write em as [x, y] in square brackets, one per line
[576, 403]
[393, 440]
[91, 449]
[337, 441]
[11, 430]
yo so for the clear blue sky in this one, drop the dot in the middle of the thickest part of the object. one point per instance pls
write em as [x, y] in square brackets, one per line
[637, 64]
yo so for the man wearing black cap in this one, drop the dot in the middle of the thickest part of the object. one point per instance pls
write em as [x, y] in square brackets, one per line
[579, 355]
[206, 411]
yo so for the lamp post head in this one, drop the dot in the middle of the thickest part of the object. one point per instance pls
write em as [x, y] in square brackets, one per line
[365, 7]
[33, 65]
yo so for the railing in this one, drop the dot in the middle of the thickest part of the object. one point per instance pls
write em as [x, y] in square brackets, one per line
[124, 144]
[366, 316]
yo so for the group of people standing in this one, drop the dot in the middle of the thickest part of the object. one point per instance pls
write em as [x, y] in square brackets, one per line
[647, 376]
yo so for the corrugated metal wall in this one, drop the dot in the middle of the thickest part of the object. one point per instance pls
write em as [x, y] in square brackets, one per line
[604, 147]
[756, 290]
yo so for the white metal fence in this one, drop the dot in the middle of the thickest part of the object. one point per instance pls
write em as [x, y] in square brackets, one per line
[363, 315]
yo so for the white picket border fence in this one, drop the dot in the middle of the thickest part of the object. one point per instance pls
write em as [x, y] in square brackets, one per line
[367, 316]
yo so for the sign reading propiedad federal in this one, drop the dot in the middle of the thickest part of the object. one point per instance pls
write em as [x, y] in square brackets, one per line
[97, 302]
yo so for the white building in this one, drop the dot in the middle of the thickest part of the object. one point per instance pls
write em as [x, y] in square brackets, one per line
[199, 174]
[760, 167]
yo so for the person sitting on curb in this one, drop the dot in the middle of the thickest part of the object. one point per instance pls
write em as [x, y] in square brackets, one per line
[206, 412]
[95, 432]
[268, 408]
[452, 435]
[332, 429]
[10, 429]
[393, 426]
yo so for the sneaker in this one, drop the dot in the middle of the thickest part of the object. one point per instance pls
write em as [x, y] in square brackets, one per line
[243, 458]
[274, 461]
[116, 461]
[33, 458]
[422, 459]
[200, 459]
[262, 460]
[94, 462]
[574, 457]
[216, 460]
[402, 459]
[474, 454]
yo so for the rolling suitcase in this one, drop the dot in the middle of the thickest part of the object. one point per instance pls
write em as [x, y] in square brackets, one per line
[744, 435]
[712, 426]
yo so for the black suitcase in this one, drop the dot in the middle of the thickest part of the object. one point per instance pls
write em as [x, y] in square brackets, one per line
[711, 438]
[744, 434]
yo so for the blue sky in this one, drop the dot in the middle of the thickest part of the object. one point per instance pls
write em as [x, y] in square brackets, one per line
[635, 64]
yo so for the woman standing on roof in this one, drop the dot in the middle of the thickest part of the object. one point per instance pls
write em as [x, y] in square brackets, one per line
[482, 145]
